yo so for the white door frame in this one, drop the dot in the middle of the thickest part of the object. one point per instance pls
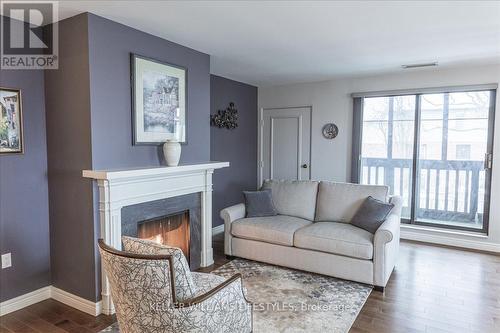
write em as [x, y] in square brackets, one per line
[260, 136]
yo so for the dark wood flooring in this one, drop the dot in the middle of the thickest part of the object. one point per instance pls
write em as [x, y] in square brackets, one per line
[433, 289]
[436, 289]
[50, 316]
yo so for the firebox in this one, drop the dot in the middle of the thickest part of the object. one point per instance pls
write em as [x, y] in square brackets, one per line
[172, 230]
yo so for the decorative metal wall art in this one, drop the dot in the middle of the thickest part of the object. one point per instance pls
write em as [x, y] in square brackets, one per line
[227, 118]
[330, 131]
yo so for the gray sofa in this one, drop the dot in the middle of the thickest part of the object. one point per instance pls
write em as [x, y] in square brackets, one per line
[312, 231]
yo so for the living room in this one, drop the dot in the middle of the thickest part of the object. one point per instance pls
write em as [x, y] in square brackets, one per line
[237, 166]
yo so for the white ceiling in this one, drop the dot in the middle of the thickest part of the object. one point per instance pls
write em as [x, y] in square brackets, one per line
[278, 42]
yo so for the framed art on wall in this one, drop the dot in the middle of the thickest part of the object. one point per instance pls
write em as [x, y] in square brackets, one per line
[11, 121]
[158, 101]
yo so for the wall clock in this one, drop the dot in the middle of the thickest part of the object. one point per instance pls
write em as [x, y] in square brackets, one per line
[330, 131]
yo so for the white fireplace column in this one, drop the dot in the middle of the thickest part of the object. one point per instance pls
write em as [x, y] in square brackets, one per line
[120, 188]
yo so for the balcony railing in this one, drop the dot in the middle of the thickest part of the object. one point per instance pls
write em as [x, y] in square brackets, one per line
[449, 190]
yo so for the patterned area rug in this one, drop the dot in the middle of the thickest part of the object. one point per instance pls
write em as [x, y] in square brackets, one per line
[286, 300]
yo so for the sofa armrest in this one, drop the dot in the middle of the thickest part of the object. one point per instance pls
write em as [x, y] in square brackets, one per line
[229, 215]
[388, 231]
[391, 227]
[233, 213]
[386, 245]
[398, 204]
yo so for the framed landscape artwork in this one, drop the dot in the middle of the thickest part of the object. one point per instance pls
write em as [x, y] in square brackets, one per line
[158, 101]
[11, 121]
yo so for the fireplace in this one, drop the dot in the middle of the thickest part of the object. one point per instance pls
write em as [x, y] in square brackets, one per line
[172, 230]
[129, 196]
[173, 221]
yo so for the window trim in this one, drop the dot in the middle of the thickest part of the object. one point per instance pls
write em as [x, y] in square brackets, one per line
[431, 90]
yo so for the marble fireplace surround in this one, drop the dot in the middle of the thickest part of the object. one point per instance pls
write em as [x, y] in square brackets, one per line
[127, 187]
[134, 214]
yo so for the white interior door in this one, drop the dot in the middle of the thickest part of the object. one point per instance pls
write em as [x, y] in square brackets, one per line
[286, 143]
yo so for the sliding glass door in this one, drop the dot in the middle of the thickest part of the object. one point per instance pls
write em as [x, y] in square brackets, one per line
[446, 137]
[387, 145]
[453, 149]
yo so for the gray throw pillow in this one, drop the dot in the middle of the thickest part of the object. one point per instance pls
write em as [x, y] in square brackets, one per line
[259, 203]
[371, 214]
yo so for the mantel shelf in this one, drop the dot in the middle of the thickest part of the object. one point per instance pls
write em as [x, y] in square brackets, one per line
[148, 171]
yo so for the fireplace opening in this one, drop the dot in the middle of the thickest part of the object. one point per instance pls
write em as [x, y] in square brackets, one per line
[172, 230]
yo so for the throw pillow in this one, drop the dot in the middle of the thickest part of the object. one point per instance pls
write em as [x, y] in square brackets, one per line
[183, 281]
[371, 214]
[259, 203]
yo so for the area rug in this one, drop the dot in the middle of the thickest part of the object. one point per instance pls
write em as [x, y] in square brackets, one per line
[287, 300]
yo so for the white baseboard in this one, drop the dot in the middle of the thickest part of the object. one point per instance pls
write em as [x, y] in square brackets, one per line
[42, 294]
[17, 303]
[449, 240]
[218, 230]
[77, 302]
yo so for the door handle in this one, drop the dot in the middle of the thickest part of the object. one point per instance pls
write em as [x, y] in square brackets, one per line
[304, 166]
[488, 160]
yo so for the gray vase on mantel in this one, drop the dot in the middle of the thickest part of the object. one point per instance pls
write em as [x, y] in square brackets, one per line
[172, 152]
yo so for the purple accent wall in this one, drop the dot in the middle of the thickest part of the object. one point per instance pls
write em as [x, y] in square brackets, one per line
[110, 46]
[24, 208]
[89, 127]
[238, 146]
[83, 121]
[72, 231]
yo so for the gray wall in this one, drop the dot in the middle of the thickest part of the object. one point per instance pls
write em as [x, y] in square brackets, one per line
[332, 102]
[72, 229]
[24, 210]
[238, 146]
[110, 45]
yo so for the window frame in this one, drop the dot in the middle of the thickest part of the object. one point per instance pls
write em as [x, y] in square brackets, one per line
[357, 135]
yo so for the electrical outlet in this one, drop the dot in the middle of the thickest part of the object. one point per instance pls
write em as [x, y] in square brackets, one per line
[6, 260]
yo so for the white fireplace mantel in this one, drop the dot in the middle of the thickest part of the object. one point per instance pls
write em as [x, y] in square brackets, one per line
[124, 187]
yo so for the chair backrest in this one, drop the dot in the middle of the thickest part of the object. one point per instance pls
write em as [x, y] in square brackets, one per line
[183, 280]
[141, 287]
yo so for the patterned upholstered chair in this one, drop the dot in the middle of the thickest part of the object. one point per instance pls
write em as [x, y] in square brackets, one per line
[146, 279]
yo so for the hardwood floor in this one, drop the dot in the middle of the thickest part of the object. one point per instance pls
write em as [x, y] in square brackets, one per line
[436, 289]
[51, 316]
[433, 289]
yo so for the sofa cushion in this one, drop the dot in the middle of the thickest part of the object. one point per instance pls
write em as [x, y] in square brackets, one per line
[294, 197]
[337, 238]
[277, 229]
[340, 201]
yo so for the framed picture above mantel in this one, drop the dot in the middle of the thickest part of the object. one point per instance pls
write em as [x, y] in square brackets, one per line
[158, 101]
[11, 121]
